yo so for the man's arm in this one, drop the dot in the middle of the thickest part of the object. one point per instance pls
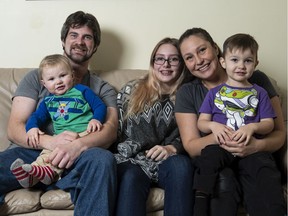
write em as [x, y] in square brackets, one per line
[22, 108]
[64, 155]
[107, 135]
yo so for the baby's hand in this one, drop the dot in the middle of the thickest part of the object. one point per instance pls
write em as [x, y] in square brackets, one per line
[94, 125]
[33, 137]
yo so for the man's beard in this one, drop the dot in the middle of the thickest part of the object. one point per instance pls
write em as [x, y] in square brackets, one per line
[75, 59]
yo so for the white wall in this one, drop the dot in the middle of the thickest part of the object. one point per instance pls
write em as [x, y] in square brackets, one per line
[31, 29]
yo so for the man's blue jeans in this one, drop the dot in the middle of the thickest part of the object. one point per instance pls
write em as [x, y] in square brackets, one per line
[91, 180]
[175, 177]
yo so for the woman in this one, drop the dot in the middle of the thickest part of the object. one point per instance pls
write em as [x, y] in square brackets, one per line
[201, 57]
[149, 152]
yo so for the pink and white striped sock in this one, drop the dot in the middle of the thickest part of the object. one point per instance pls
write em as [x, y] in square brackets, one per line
[44, 173]
[24, 178]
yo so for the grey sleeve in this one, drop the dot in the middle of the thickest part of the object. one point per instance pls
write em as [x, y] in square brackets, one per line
[104, 90]
[29, 86]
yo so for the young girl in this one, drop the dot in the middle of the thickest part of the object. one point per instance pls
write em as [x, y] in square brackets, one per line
[149, 148]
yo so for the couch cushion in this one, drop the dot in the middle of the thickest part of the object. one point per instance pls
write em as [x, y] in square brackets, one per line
[155, 200]
[118, 78]
[157, 213]
[28, 200]
[21, 201]
[59, 199]
[9, 79]
[47, 212]
[56, 199]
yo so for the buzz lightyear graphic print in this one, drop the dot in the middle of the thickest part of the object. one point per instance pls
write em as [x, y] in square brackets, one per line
[236, 104]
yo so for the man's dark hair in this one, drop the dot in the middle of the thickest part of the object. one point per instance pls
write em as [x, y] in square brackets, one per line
[79, 19]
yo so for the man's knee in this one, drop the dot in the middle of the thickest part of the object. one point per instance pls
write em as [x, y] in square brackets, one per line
[98, 156]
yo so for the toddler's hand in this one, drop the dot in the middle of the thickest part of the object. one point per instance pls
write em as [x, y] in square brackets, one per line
[33, 137]
[94, 125]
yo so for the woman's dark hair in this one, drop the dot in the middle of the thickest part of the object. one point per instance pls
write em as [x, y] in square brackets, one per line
[79, 19]
[199, 32]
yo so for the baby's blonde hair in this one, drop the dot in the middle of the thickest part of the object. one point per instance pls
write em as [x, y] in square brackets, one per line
[53, 60]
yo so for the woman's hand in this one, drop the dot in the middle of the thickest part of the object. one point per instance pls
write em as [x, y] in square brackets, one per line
[241, 149]
[159, 152]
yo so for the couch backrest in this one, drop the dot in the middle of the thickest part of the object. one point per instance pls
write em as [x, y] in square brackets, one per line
[10, 77]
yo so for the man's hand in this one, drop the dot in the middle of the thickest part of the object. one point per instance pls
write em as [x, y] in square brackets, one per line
[63, 138]
[63, 149]
[64, 155]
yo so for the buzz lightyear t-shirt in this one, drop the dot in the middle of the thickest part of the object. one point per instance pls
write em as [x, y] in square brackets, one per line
[236, 107]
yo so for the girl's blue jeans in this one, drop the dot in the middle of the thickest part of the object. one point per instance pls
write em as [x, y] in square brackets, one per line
[175, 177]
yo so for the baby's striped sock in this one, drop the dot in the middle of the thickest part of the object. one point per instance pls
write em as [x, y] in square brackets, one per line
[44, 173]
[24, 178]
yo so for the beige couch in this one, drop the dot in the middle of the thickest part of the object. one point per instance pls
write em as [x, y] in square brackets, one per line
[53, 203]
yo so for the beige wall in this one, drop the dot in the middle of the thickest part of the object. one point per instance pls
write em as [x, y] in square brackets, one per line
[31, 29]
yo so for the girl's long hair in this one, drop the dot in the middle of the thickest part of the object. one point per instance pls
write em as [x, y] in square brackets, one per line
[148, 88]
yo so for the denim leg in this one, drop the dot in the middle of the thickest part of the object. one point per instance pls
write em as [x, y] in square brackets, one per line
[92, 183]
[176, 178]
[8, 181]
[133, 190]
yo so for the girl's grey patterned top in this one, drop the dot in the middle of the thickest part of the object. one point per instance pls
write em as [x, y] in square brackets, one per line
[138, 133]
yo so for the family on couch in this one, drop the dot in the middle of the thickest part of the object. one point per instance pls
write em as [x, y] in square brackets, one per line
[149, 150]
